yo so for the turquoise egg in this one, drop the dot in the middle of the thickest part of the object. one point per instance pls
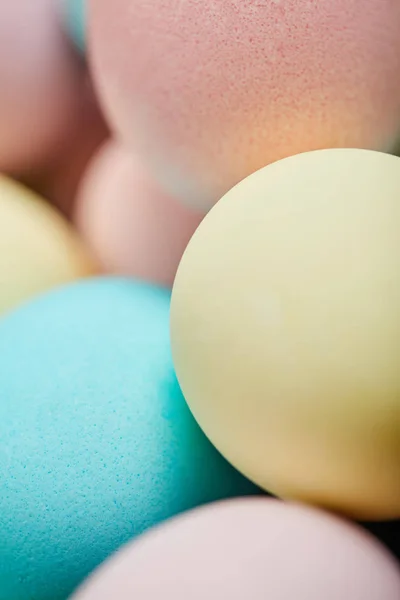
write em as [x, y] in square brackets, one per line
[75, 15]
[96, 441]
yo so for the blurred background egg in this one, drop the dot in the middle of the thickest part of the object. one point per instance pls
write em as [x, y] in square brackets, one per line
[41, 78]
[211, 91]
[132, 227]
[249, 549]
[75, 17]
[96, 441]
[285, 329]
[39, 249]
[59, 179]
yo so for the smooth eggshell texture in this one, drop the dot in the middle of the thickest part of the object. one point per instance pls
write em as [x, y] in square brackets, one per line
[75, 17]
[40, 82]
[210, 91]
[249, 549]
[39, 250]
[133, 227]
[96, 441]
[286, 329]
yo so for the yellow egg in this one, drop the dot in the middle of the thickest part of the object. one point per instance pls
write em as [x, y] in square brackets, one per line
[286, 329]
[38, 248]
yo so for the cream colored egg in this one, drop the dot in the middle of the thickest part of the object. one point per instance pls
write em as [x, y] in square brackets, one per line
[39, 250]
[286, 329]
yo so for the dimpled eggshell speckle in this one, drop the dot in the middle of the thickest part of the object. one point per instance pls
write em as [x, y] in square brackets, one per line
[96, 440]
[132, 226]
[40, 81]
[75, 17]
[39, 249]
[210, 91]
[285, 328]
[258, 549]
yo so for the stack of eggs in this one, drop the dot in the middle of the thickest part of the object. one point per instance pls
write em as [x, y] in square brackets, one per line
[240, 438]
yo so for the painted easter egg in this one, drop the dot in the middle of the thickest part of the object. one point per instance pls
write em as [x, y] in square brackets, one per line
[211, 91]
[41, 80]
[132, 226]
[286, 329]
[249, 549]
[39, 249]
[97, 443]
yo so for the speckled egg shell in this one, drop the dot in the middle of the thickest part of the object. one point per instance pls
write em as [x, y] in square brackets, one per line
[210, 91]
[96, 441]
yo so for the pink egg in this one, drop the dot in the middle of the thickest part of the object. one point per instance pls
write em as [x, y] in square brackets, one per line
[133, 228]
[210, 91]
[61, 176]
[40, 83]
[257, 549]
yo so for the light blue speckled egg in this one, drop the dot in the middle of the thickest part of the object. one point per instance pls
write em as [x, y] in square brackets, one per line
[75, 16]
[96, 441]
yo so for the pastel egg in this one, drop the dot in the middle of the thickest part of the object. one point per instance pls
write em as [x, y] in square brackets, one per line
[61, 177]
[249, 549]
[40, 82]
[132, 226]
[96, 441]
[211, 91]
[286, 329]
[39, 250]
[75, 16]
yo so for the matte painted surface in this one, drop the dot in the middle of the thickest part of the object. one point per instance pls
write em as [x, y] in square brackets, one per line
[285, 329]
[41, 79]
[96, 441]
[39, 249]
[211, 91]
[258, 549]
[132, 226]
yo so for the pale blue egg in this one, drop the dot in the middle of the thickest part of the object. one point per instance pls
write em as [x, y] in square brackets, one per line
[75, 16]
[96, 441]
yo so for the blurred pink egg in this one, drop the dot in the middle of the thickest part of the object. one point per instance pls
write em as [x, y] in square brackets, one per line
[210, 91]
[133, 228]
[60, 178]
[257, 549]
[40, 83]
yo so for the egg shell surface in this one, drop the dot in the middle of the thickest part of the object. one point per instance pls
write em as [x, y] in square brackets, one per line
[41, 79]
[61, 177]
[211, 91]
[96, 441]
[249, 549]
[132, 226]
[285, 329]
[39, 249]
